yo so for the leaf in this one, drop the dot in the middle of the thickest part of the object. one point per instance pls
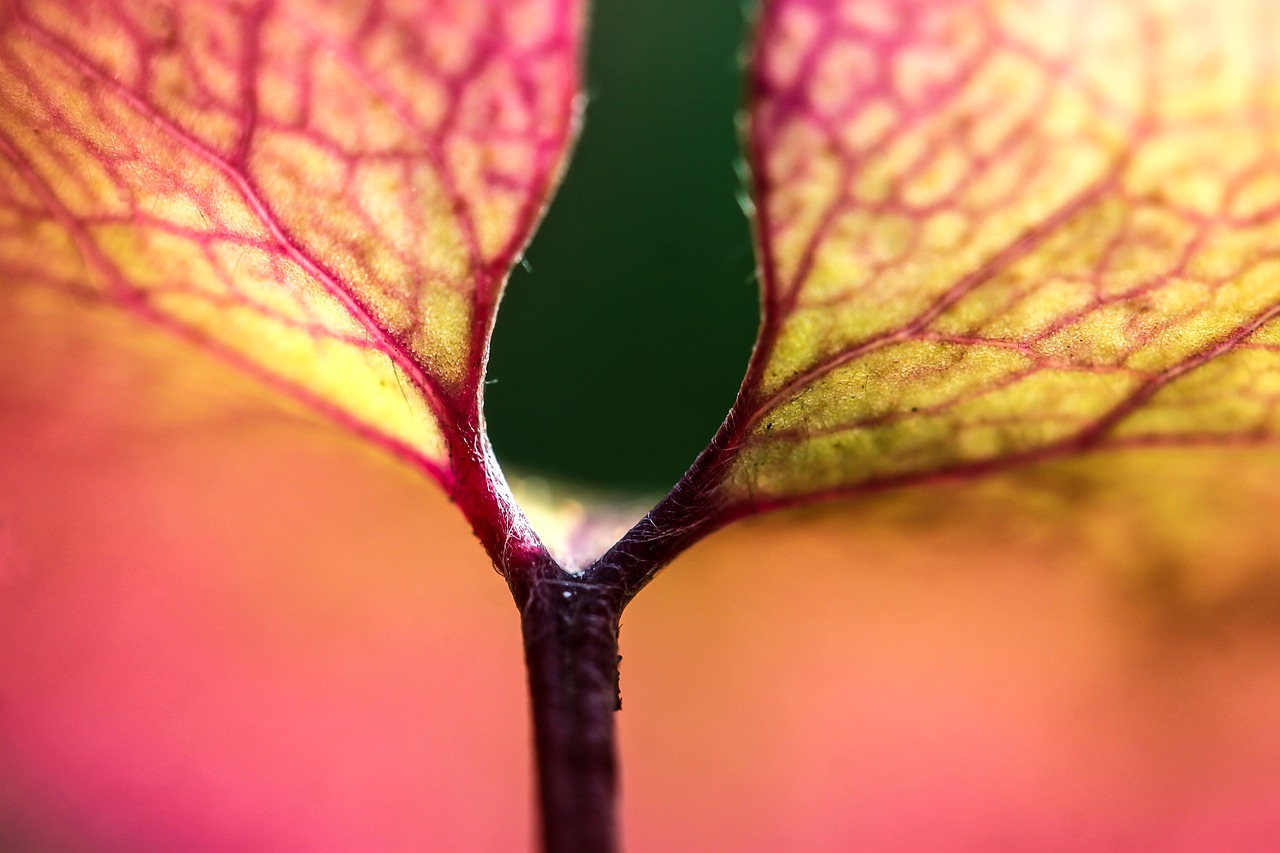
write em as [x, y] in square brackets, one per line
[993, 233]
[144, 632]
[328, 195]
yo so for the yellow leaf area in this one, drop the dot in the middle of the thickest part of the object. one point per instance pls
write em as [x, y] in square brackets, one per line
[995, 232]
[328, 195]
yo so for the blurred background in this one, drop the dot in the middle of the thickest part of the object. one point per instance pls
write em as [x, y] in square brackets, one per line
[225, 625]
[620, 346]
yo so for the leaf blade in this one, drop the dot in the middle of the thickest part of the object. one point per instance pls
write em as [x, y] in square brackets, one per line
[329, 195]
[948, 288]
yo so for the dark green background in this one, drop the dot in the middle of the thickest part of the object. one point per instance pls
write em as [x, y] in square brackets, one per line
[617, 354]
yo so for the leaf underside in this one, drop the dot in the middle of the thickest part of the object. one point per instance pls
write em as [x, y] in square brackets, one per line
[329, 195]
[989, 233]
[993, 233]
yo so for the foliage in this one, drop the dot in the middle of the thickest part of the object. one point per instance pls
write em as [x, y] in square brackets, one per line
[1029, 250]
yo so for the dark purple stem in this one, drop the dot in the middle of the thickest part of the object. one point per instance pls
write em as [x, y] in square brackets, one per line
[570, 626]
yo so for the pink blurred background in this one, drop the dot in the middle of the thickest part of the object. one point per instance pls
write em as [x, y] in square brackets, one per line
[226, 626]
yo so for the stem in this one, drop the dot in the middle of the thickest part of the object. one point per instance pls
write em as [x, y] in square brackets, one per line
[571, 649]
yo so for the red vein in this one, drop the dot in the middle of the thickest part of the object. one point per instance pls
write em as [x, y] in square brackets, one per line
[135, 302]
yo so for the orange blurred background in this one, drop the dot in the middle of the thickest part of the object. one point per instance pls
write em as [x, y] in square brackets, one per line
[224, 625]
